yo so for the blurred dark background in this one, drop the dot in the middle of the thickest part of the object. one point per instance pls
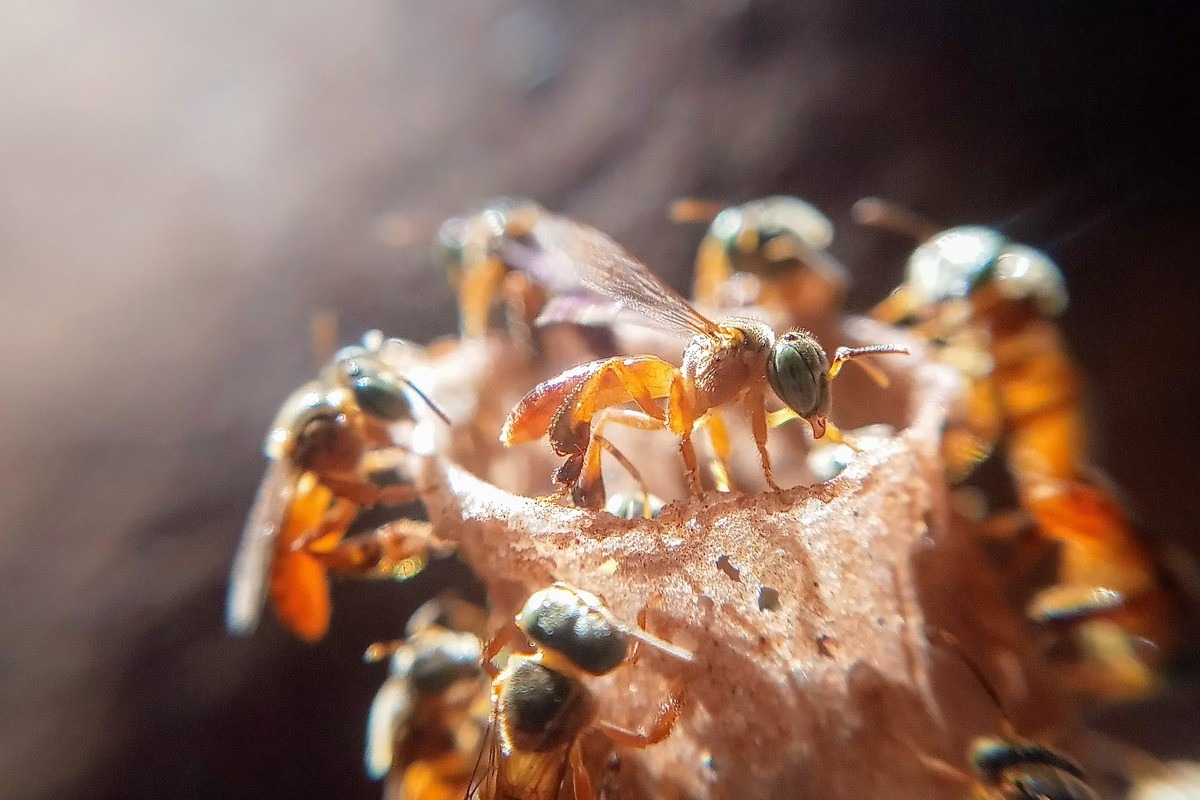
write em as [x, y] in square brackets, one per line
[183, 184]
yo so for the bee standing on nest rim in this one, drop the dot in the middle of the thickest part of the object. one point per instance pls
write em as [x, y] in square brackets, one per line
[328, 436]
[428, 719]
[1010, 767]
[541, 706]
[778, 244]
[988, 304]
[468, 246]
[734, 361]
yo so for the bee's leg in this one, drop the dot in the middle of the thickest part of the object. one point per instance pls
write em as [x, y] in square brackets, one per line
[1110, 665]
[333, 525]
[643, 615]
[758, 425]
[567, 475]
[712, 274]
[718, 436]
[631, 469]
[635, 381]
[1071, 602]
[322, 336]
[554, 496]
[581, 782]
[966, 445]
[507, 634]
[681, 419]
[621, 416]
[477, 291]
[366, 494]
[587, 487]
[398, 550]
[660, 727]
[691, 465]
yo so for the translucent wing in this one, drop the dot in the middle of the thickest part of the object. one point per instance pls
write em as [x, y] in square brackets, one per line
[482, 784]
[603, 266]
[389, 711]
[248, 580]
[580, 308]
[529, 776]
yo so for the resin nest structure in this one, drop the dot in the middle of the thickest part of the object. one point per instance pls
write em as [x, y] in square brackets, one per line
[809, 611]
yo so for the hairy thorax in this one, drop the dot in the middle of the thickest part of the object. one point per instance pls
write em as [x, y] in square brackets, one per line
[720, 368]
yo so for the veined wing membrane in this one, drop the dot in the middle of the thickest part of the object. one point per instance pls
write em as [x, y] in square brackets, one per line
[604, 267]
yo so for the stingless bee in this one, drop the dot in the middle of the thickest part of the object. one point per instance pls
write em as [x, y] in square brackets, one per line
[1008, 766]
[468, 246]
[778, 243]
[541, 705]
[329, 435]
[428, 720]
[989, 304]
[737, 360]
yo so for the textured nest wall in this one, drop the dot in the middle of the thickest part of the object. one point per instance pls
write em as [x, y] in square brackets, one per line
[808, 610]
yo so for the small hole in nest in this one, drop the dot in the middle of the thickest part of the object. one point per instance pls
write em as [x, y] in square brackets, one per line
[726, 566]
[768, 599]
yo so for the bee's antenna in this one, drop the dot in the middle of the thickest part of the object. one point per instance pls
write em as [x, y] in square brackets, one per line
[889, 216]
[950, 640]
[690, 209]
[432, 405]
[382, 650]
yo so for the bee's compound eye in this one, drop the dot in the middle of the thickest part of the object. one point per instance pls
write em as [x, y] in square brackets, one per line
[791, 216]
[798, 372]
[1023, 272]
[381, 398]
[301, 407]
[545, 608]
[375, 391]
[726, 226]
[955, 262]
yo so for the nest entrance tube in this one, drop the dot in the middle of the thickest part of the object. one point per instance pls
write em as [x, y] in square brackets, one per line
[808, 611]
